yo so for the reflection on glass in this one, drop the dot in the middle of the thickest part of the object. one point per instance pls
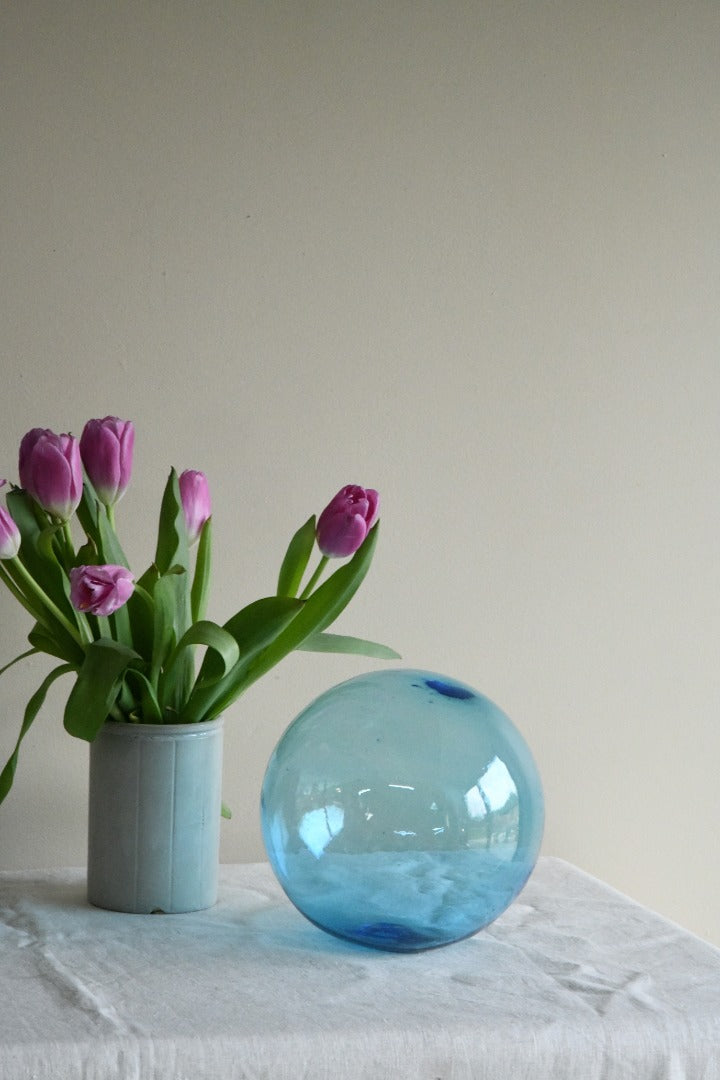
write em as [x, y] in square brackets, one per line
[318, 827]
[497, 784]
[492, 792]
[492, 805]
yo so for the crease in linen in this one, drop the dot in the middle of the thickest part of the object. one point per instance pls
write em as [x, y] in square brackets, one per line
[574, 981]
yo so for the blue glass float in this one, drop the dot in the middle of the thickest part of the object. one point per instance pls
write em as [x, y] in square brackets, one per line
[402, 810]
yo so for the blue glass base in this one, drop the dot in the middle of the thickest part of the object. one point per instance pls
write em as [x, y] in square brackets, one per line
[403, 902]
[402, 810]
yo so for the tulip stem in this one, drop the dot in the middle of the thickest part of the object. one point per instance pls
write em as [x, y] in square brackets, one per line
[324, 559]
[34, 591]
[111, 517]
[20, 596]
[69, 544]
[65, 547]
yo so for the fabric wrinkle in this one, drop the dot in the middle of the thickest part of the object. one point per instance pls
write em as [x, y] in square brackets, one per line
[572, 982]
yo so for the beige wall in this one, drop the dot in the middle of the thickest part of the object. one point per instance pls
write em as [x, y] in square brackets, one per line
[466, 252]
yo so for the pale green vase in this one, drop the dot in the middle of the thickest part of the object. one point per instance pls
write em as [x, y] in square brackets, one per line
[154, 817]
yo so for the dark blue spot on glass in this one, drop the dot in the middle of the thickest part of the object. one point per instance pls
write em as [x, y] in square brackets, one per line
[391, 936]
[451, 690]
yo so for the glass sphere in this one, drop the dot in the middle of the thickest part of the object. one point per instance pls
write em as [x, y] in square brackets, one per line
[402, 810]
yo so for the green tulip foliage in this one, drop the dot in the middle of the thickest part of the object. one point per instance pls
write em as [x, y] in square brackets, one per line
[157, 658]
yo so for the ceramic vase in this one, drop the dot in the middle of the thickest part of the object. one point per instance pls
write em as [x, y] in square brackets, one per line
[154, 817]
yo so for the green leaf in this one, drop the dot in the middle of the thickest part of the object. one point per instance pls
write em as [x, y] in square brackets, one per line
[141, 613]
[61, 646]
[150, 711]
[310, 617]
[94, 519]
[172, 672]
[40, 585]
[119, 623]
[164, 638]
[340, 643]
[254, 627]
[225, 811]
[109, 546]
[87, 555]
[172, 559]
[214, 637]
[22, 656]
[172, 543]
[96, 688]
[43, 566]
[31, 710]
[88, 512]
[201, 578]
[318, 611]
[296, 559]
[46, 541]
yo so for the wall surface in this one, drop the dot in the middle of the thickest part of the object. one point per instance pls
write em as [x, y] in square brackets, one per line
[466, 252]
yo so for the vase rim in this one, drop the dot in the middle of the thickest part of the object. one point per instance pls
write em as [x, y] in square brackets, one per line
[119, 727]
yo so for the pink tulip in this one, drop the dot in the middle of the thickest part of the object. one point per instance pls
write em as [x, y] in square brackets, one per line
[100, 590]
[195, 498]
[9, 534]
[106, 448]
[346, 521]
[51, 471]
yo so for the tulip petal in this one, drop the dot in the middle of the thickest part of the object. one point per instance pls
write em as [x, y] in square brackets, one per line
[106, 447]
[373, 499]
[341, 534]
[346, 521]
[100, 590]
[195, 498]
[51, 471]
[9, 535]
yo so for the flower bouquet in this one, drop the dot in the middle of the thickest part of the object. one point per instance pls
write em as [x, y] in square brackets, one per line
[130, 642]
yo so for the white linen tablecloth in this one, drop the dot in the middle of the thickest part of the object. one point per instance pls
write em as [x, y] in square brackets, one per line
[574, 981]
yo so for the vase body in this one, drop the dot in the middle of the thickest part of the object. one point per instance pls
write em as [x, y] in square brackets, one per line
[402, 810]
[154, 817]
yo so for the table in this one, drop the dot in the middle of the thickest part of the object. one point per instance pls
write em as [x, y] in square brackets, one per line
[573, 981]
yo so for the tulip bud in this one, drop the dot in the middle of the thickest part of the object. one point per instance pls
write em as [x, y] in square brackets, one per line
[51, 471]
[100, 590]
[195, 498]
[9, 535]
[106, 449]
[346, 521]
